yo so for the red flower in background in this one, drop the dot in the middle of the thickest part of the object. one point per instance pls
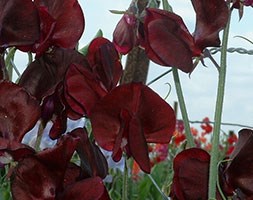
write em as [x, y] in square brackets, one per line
[128, 118]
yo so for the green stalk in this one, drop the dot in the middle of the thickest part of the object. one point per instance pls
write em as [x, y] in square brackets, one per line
[39, 137]
[125, 182]
[213, 170]
[190, 140]
[180, 96]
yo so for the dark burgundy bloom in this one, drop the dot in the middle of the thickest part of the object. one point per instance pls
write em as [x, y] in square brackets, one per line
[105, 62]
[211, 18]
[191, 170]
[19, 23]
[82, 90]
[125, 33]
[165, 36]
[93, 162]
[50, 175]
[19, 111]
[43, 75]
[248, 2]
[61, 25]
[237, 174]
[128, 118]
[191, 174]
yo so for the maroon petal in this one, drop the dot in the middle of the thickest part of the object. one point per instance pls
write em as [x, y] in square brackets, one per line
[125, 33]
[137, 141]
[69, 19]
[88, 189]
[82, 89]
[165, 36]
[51, 67]
[128, 107]
[15, 149]
[93, 162]
[32, 180]
[191, 171]
[105, 62]
[57, 158]
[19, 112]
[237, 174]
[19, 23]
[212, 17]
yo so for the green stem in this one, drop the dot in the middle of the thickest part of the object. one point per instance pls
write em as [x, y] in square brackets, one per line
[213, 170]
[189, 137]
[125, 182]
[39, 137]
[164, 197]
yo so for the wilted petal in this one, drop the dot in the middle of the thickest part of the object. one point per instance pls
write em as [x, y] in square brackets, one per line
[165, 36]
[105, 62]
[191, 171]
[211, 18]
[237, 176]
[19, 111]
[19, 23]
[132, 106]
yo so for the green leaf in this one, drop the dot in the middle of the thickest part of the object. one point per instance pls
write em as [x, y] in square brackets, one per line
[84, 50]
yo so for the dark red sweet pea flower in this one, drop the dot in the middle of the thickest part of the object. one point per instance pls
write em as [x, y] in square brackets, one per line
[19, 21]
[211, 18]
[191, 173]
[82, 90]
[93, 162]
[128, 118]
[19, 111]
[61, 25]
[165, 36]
[105, 62]
[50, 175]
[191, 169]
[125, 33]
[237, 176]
[43, 75]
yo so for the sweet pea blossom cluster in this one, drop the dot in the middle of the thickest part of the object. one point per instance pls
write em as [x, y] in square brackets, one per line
[64, 83]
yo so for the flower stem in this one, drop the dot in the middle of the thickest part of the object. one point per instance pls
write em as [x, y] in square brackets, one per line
[181, 101]
[180, 96]
[125, 182]
[164, 197]
[213, 170]
[39, 137]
